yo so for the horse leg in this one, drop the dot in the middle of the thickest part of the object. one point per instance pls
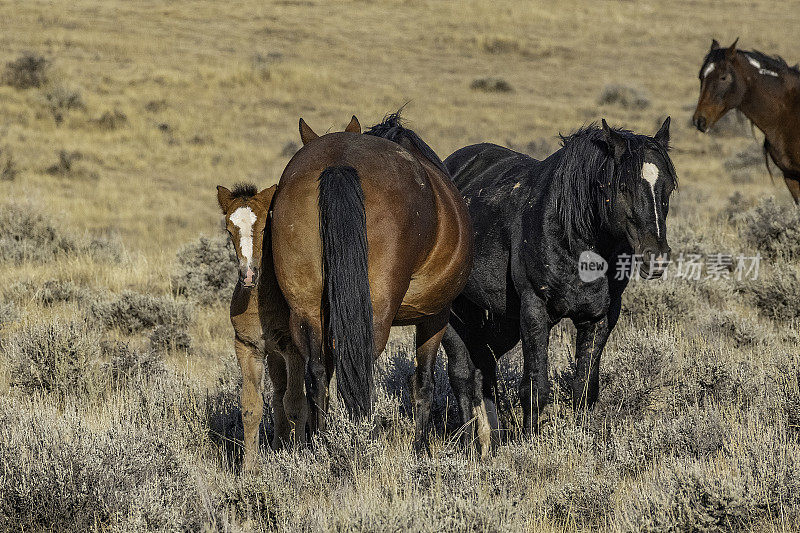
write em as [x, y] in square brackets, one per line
[467, 384]
[276, 366]
[590, 341]
[429, 337]
[535, 333]
[295, 403]
[306, 368]
[793, 183]
[252, 398]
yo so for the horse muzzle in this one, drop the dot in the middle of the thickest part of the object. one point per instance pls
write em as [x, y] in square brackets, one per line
[248, 277]
[700, 123]
[654, 263]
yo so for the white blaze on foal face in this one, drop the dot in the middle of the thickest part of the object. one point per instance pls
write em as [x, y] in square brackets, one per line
[650, 175]
[709, 69]
[244, 218]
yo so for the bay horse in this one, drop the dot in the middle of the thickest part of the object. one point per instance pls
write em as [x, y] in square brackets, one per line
[368, 231]
[766, 90]
[605, 193]
[260, 318]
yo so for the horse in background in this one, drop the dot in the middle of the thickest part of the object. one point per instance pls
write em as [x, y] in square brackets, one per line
[603, 196]
[260, 319]
[368, 231]
[766, 90]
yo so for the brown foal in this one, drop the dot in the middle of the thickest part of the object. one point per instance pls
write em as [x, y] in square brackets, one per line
[260, 319]
[766, 90]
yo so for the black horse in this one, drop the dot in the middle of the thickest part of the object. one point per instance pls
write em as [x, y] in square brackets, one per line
[540, 228]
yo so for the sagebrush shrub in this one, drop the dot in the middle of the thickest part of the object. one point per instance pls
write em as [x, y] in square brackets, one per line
[27, 235]
[55, 291]
[632, 380]
[127, 363]
[8, 313]
[57, 357]
[132, 312]
[624, 96]
[773, 229]
[206, 270]
[777, 294]
[27, 71]
[170, 337]
[61, 474]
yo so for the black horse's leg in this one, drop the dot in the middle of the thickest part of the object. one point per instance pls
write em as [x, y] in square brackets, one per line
[466, 383]
[535, 332]
[429, 337]
[590, 341]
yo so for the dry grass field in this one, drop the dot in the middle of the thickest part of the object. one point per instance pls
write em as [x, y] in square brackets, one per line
[118, 383]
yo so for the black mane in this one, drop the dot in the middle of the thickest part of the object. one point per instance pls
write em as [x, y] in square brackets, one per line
[392, 129]
[244, 190]
[775, 63]
[586, 179]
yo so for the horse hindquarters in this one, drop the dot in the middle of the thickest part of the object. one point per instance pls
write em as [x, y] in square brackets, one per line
[347, 305]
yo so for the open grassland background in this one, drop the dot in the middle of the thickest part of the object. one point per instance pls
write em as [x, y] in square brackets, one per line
[118, 385]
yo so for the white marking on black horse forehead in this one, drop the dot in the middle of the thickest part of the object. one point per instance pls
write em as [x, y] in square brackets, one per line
[244, 218]
[709, 69]
[650, 174]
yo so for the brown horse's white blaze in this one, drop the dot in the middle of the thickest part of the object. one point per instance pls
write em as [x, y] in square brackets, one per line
[244, 219]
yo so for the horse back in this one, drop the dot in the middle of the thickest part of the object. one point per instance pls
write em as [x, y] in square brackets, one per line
[400, 210]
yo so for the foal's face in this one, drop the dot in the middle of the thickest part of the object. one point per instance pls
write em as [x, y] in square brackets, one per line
[721, 88]
[640, 213]
[246, 220]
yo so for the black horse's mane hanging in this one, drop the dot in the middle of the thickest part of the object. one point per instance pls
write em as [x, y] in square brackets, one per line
[392, 129]
[244, 190]
[774, 63]
[586, 178]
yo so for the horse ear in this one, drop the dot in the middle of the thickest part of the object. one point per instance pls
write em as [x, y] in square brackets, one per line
[306, 133]
[224, 197]
[730, 53]
[265, 197]
[354, 126]
[662, 135]
[714, 44]
[616, 143]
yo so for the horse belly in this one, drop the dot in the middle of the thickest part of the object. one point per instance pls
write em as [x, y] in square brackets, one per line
[437, 282]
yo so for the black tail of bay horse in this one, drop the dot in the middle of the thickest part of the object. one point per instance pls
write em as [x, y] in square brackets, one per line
[348, 332]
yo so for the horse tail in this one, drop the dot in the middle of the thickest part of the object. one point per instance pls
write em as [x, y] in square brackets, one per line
[346, 291]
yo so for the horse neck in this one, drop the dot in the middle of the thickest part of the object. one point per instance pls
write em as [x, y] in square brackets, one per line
[765, 104]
